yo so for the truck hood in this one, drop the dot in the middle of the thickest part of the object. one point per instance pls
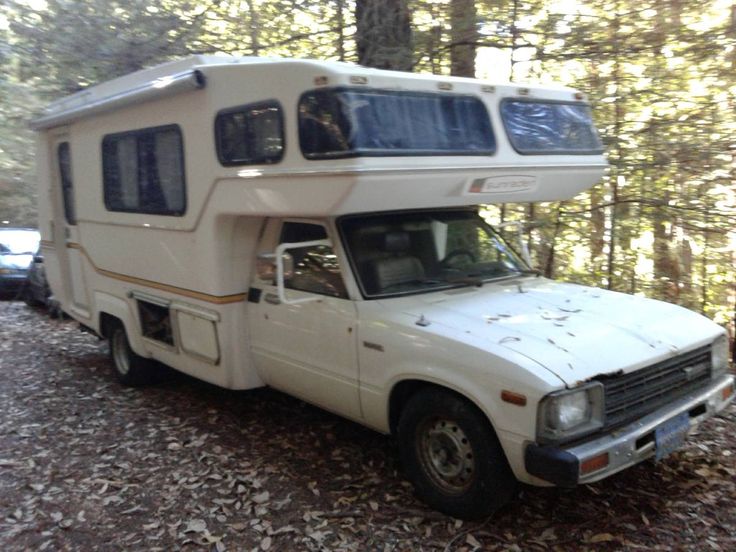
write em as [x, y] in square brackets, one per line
[576, 332]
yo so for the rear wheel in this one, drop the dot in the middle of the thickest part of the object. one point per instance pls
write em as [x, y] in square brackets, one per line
[131, 369]
[452, 456]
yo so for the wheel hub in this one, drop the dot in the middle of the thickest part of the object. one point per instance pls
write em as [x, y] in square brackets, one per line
[447, 456]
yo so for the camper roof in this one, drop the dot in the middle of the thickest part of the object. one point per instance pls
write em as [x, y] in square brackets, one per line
[162, 77]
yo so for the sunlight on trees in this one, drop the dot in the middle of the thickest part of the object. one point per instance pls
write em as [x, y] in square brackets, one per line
[661, 75]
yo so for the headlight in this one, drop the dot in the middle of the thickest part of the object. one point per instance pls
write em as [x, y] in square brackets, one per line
[570, 413]
[719, 355]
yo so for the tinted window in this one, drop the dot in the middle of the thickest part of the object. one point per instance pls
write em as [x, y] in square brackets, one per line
[250, 134]
[549, 127]
[349, 122]
[143, 171]
[67, 187]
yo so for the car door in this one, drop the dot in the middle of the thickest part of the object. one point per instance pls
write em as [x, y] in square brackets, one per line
[307, 349]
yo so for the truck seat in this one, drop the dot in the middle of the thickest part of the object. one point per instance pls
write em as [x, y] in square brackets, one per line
[397, 268]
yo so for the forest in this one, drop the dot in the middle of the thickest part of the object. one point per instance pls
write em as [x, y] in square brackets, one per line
[660, 74]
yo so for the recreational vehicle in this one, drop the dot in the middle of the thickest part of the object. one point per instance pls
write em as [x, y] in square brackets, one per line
[315, 227]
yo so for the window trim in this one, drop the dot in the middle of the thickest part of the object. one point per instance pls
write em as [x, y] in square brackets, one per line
[522, 151]
[398, 152]
[137, 133]
[244, 107]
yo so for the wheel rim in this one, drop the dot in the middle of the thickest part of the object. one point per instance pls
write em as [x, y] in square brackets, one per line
[446, 455]
[120, 352]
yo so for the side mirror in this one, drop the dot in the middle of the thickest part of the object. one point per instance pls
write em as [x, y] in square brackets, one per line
[266, 266]
[37, 259]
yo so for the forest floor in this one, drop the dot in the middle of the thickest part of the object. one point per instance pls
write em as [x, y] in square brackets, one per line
[86, 464]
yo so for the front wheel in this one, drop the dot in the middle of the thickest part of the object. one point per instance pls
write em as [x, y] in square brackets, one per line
[452, 456]
[131, 369]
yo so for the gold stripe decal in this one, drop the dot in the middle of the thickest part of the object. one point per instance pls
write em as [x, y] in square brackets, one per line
[216, 299]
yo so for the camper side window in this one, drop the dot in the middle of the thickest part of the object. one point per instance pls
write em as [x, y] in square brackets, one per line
[143, 171]
[250, 134]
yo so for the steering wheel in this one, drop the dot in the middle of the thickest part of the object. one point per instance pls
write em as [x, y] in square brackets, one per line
[457, 253]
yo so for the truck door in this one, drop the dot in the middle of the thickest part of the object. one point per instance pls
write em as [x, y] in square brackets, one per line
[71, 254]
[308, 349]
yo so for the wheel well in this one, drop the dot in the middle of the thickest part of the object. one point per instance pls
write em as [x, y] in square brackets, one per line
[404, 390]
[107, 321]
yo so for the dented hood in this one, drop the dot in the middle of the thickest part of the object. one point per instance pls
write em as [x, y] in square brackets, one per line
[576, 332]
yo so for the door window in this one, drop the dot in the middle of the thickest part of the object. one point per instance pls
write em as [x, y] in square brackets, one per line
[316, 268]
[67, 187]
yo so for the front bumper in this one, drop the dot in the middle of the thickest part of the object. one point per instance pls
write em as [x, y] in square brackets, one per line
[12, 281]
[625, 446]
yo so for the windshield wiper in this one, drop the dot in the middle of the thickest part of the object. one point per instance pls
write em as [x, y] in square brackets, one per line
[467, 280]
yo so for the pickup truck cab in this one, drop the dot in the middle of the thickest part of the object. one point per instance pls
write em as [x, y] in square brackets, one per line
[318, 228]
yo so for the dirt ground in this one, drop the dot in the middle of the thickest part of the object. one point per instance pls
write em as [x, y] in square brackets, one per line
[86, 464]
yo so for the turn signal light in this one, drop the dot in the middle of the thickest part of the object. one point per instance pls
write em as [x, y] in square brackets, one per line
[594, 464]
[513, 398]
[727, 392]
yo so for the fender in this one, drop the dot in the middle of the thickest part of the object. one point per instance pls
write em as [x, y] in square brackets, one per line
[120, 309]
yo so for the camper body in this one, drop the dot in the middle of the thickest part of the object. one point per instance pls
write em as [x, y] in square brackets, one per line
[314, 227]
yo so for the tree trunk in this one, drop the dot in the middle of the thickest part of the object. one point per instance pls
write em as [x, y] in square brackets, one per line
[383, 35]
[464, 37]
[340, 29]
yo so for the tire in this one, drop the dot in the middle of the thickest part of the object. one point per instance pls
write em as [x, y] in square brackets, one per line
[28, 297]
[452, 456]
[130, 369]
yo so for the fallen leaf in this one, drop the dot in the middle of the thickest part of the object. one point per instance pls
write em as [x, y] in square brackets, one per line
[196, 526]
[472, 541]
[602, 537]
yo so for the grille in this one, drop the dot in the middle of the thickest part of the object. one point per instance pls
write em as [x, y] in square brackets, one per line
[633, 395]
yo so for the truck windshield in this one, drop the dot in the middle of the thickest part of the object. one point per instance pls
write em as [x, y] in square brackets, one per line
[345, 122]
[18, 242]
[400, 253]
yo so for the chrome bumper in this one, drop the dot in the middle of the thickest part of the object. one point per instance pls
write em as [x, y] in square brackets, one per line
[627, 445]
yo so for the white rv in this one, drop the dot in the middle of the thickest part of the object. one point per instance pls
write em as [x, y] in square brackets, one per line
[314, 227]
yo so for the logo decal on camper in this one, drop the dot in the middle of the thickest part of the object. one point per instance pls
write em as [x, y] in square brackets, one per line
[503, 184]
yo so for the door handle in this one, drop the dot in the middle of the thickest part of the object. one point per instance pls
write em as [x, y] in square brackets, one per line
[272, 298]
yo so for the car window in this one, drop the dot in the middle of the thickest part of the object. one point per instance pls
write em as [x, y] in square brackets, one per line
[316, 268]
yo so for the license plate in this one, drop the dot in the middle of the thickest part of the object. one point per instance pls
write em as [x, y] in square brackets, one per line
[670, 436]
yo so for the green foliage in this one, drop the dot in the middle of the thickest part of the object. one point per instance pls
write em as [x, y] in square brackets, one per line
[75, 43]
